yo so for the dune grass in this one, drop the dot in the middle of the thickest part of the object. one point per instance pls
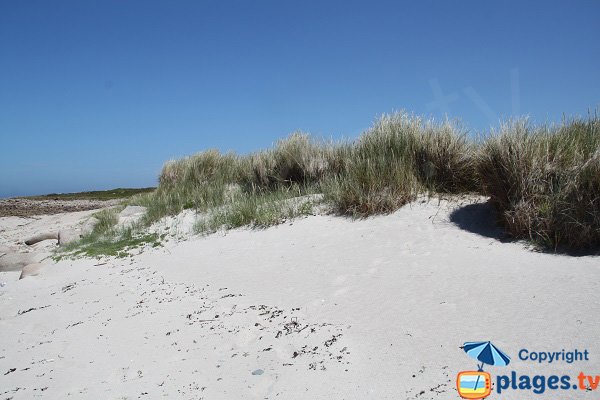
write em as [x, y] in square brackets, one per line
[399, 157]
[107, 220]
[543, 180]
[259, 210]
[298, 159]
[239, 190]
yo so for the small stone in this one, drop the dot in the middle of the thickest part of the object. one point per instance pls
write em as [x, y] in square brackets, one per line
[257, 372]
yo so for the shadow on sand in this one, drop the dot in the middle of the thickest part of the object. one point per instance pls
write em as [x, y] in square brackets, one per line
[481, 218]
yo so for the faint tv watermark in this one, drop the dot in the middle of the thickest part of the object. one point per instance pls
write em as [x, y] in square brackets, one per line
[441, 101]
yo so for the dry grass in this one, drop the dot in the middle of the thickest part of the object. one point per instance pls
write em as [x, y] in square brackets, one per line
[545, 181]
[298, 159]
[238, 186]
[400, 156]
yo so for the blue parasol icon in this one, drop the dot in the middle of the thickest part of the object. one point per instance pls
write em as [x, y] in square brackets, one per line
[487, 353]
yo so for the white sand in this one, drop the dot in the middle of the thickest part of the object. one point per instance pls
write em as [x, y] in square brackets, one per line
[382, 306]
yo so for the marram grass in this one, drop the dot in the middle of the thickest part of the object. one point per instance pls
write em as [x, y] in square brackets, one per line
[543, 180]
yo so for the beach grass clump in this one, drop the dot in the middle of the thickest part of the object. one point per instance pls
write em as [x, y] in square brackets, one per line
[444, 158]
[297, 159]
[199, 182]
[400, 156]
[545, 181]
[107, 220]
[198, 169]
[259, 209]
[212, 180]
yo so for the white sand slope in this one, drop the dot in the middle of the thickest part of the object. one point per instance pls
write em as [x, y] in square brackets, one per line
[322, 308]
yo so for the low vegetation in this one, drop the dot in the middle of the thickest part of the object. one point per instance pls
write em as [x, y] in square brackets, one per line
[543, 180]
[119, 246]
[258, 210]
[112, 194]
[108, 239]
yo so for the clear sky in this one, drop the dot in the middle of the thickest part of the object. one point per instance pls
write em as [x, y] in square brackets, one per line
[98, 94]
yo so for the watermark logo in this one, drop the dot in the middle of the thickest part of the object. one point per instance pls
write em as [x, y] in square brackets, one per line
[442, 100]
[474, 384]
[478, 384]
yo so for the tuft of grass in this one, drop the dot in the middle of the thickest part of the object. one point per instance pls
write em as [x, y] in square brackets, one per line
[210, 180]
[259, 210]
[107, 219]
[298, 159]
[400, 156]
[207, 166]
[200, 182]
[444, 158]
[545, 181]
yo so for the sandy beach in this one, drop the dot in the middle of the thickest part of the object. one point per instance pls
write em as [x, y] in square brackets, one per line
[276, 200]
[321, 307]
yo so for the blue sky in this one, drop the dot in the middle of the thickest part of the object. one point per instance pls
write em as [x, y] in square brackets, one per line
[98, 94]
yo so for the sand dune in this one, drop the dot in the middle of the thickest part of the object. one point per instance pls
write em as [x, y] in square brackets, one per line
[318, 308]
